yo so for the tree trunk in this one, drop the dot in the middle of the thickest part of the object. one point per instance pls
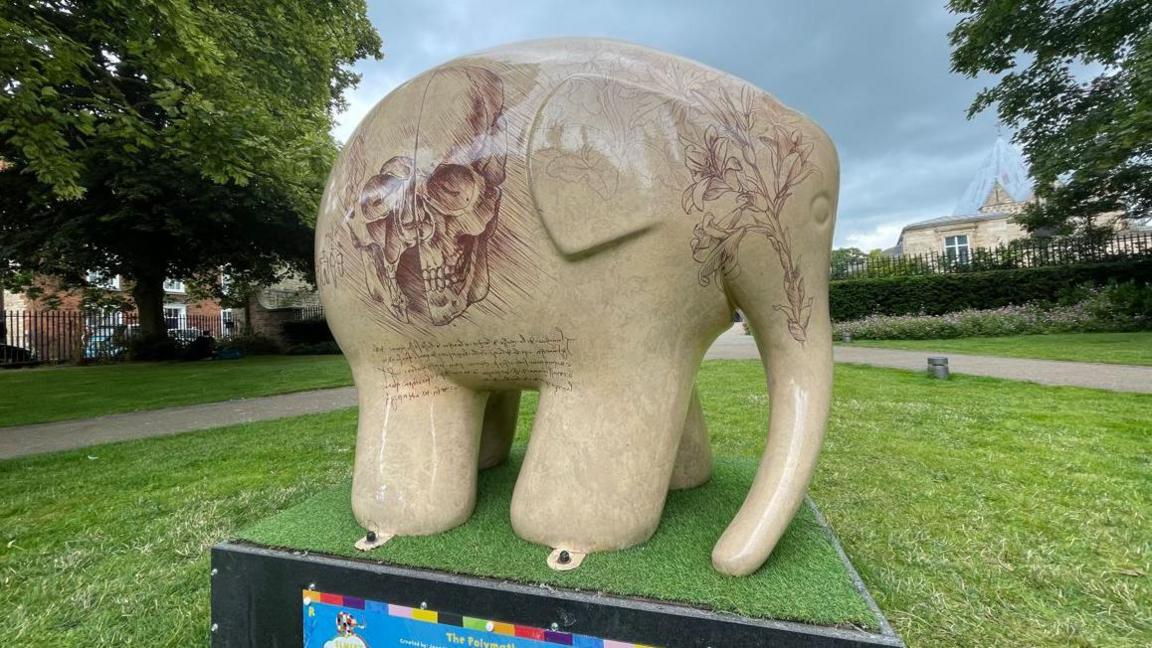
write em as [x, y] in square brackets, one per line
[148, 293]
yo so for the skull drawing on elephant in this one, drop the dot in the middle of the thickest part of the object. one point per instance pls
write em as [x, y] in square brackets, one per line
[427, 215]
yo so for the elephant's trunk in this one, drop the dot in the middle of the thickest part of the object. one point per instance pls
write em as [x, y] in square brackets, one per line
[799, 388]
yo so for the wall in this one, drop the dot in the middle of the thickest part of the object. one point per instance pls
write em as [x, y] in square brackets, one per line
[981, 234]
[269, 322]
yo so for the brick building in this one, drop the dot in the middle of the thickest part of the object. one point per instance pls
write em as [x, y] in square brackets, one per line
[55, 326]
[179, 307]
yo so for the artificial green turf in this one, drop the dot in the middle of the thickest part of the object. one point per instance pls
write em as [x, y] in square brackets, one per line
[1113, 348]
[804, 579]
[59, 393]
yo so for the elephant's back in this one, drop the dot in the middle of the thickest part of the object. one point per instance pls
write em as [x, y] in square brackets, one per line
[533, 69]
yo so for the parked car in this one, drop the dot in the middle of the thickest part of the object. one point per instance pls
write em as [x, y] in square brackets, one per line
[106, 342]
[184, 336]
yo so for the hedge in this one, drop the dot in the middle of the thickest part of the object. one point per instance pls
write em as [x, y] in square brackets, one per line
[306, 332]
[852, 299]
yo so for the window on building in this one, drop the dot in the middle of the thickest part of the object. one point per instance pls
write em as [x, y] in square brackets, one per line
[173, 286]
[956, 248]
[176, 315]
[227, 321]
[100, 281]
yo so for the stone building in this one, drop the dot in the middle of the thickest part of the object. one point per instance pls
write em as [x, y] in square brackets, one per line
[983, 217]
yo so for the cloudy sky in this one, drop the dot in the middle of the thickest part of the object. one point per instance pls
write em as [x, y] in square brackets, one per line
[874, 74]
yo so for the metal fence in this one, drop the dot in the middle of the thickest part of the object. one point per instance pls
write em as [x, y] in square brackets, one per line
[1022, 253]
[73, 335]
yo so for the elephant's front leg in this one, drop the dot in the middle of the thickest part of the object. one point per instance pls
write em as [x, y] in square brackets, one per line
[416, 458]
[600, 458]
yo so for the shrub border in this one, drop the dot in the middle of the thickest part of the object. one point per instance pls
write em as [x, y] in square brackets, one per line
[852, 299]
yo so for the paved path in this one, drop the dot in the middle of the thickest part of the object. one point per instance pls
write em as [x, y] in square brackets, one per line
[732, 345]
[1126, 378]
[66, 435]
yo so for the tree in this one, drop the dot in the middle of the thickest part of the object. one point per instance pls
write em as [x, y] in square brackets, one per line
[845, 257]
[1088, 142]
[170, 138]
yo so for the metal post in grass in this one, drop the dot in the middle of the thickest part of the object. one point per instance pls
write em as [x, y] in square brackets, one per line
[938, 367]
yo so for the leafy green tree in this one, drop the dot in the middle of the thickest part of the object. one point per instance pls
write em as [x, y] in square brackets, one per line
[843, 257]
[1088, 142]
[169, 138]
[845, 261]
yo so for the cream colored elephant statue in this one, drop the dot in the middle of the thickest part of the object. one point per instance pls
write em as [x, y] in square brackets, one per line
[578, 217]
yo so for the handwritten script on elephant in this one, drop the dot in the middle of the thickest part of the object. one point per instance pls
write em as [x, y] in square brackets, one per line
[415, 368]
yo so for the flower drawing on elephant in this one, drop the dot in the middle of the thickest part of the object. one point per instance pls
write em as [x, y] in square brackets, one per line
[429, 212]
[758, 167]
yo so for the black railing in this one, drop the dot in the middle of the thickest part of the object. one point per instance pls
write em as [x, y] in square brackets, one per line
[1022, 253]
[74, 336]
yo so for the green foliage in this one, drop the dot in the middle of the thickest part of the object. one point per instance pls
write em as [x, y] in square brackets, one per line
[844, 260]
[1114, 307]
[1121, 302]
[249, 344]
[307, 331]
[936, 294]
[309, 337]
[979, 512]
[142, 347]
[170, 138]
[1094, 136]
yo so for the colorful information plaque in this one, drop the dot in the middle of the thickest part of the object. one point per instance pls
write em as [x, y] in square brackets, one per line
[335, 621]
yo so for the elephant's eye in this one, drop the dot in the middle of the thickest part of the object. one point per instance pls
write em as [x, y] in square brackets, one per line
[454, 188]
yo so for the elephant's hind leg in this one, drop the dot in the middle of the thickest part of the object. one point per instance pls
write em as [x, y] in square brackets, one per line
[694, 458]
[499, 427]
[416, 459]
[598, 465]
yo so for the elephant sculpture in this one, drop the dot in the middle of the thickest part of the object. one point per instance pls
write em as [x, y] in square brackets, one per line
[578, 217]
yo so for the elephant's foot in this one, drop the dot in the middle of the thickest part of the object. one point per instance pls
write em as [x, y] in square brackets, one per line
[599, 462]
[372, 541]
[416, 458]
[499, 428]
[694, 458]
[565, 559]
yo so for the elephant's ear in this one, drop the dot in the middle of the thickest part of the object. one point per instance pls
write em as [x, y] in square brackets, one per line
[602, 156]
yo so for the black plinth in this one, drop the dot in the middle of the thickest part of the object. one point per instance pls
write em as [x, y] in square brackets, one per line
[256, 602]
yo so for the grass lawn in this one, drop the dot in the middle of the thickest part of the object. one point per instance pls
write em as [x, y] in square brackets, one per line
[980, 512]
[59, 393]
[1116, 348]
